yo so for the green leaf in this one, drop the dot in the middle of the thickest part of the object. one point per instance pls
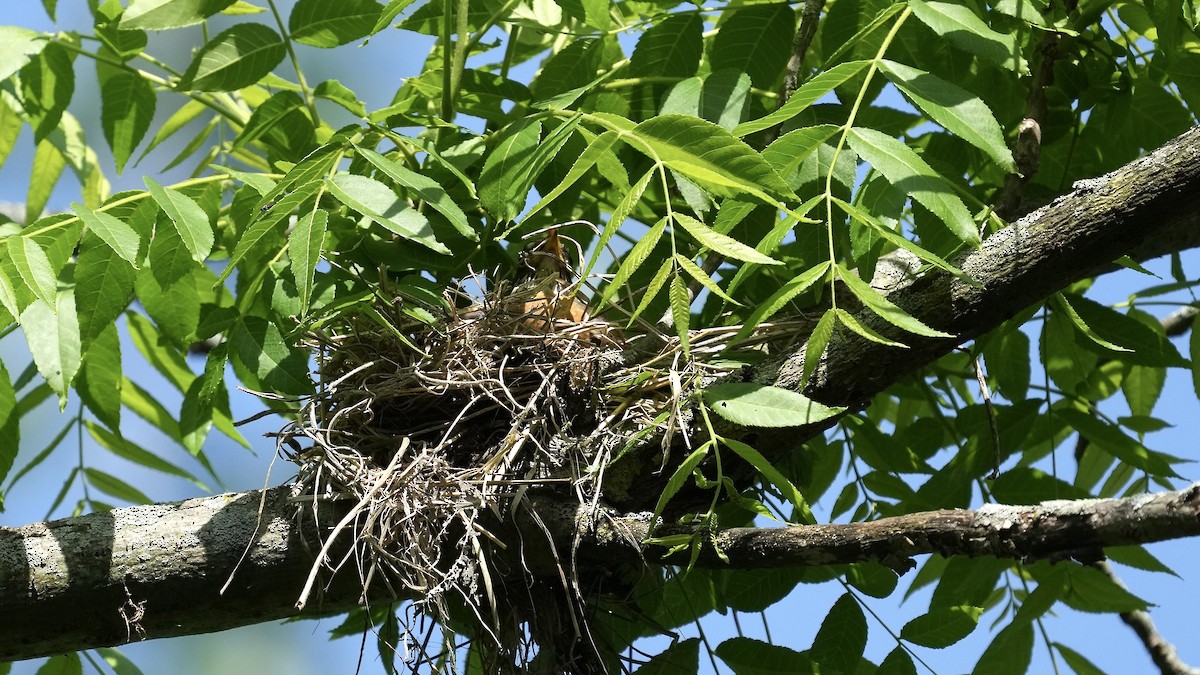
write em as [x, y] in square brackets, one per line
[500, 190]
[47, 84]
[681, 315]
[1142, 386]
[958, 110]
[320, 23]
[1078, 662]
[115, 487]
[756, 40]
[898, 662]
[259, 346]
[430, 191]
[1090, 590]
[199, 402]
[634, 259]
[132, 452]
[910, 174]
[781, 297]
[590, 156]
[747, 656]
[190, 220]
[17, 46]
[818, 340]
[237, 57]
[304, 250]
[652, 289]
[1137, 557]
[670, 48]
[788, 152]
[768, 471]
[48, 165]
[103, 289]
[390, 12]
[34, 267]
[10, 424]
[1009, 653]
[127, 105]
[959, 24]
[119, 235]
[681, 658]
[615, 222]
[711, 156]
[884, 308]
[165, 14]
[53, 338]
[332, 90]
[99, 383]
[677, 479]
[1194, 351]
[10, 129]
[693, 270]
[760, 405]
[381, 204]
[1112, 440]
[888, 233]
[120, 664]
[1132, 341]
[722, 243]
[942, 627]
[807, 94]
[266, 221]
[62, 664]
[842, 638]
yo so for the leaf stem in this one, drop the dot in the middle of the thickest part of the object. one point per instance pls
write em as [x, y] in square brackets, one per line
[309, 100]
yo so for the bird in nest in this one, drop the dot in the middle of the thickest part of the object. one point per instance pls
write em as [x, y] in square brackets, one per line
[545, 268]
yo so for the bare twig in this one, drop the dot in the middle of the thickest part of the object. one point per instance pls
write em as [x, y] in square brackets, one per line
[1161, 651]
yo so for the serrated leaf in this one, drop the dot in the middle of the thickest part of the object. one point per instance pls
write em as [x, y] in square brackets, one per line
[10, 129]
[500, 190]
[103, 289]
[379, 203]
[681, 315]
[53, 337]
[276, 212]
[332, 90]
[390, 12]
[959, 24]
[693, 270]
[590, 156]
[1009, 653]
[429, 190]
[48, 165]
[773, 475]
[119, 235]
[711, 156]
[814, 349]
[781, 297]
[235, 58]
[99, 382]
[190, 220]
[304, 250]
[807, 94]
[840, 642]
[132, 452]
[320, 23]
[670, 48]
[619, 214]
[756, 40]
[10, 424]
[260, 347]
[127, 105]
[1132, 340]
[34, 267]
[1078, 662]
[722, 243]
[760, 405]
[165, 14]
[942, 627]
[959, 111]
[677, 479]
[747, 656]
[1090, 590]
[17, 46]
[681, 658]
[652, 289]
[199, 402]
[47, 84]
[905, 170]
[634, 259]
[887, 233]
[884, 308]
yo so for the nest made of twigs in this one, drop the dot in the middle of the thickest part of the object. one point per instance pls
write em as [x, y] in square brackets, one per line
[429, 427]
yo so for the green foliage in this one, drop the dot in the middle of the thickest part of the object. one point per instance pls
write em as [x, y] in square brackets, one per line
[654, 135]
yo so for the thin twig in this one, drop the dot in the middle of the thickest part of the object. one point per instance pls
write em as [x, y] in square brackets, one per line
[1161, 651]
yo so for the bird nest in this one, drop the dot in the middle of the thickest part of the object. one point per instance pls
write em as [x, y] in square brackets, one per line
[432, 430]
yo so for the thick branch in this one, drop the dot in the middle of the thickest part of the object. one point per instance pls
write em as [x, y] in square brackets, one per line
[157, 571]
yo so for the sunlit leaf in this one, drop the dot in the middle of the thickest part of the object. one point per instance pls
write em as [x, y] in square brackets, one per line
[164, 14]
[127, 105]
[759, 405]
[722, 243]
[190, 220]
[10, 424]
[17, 46]
[884, 308]
[235, 58]
[381, 204]
[429, 190]
[119, 235]
[807, 94]
[319, 23]
[304, 250]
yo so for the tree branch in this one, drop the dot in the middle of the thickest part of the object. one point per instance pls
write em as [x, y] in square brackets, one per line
[1161, 651]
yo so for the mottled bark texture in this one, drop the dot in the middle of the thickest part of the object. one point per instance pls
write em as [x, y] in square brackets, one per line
[157, 570]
